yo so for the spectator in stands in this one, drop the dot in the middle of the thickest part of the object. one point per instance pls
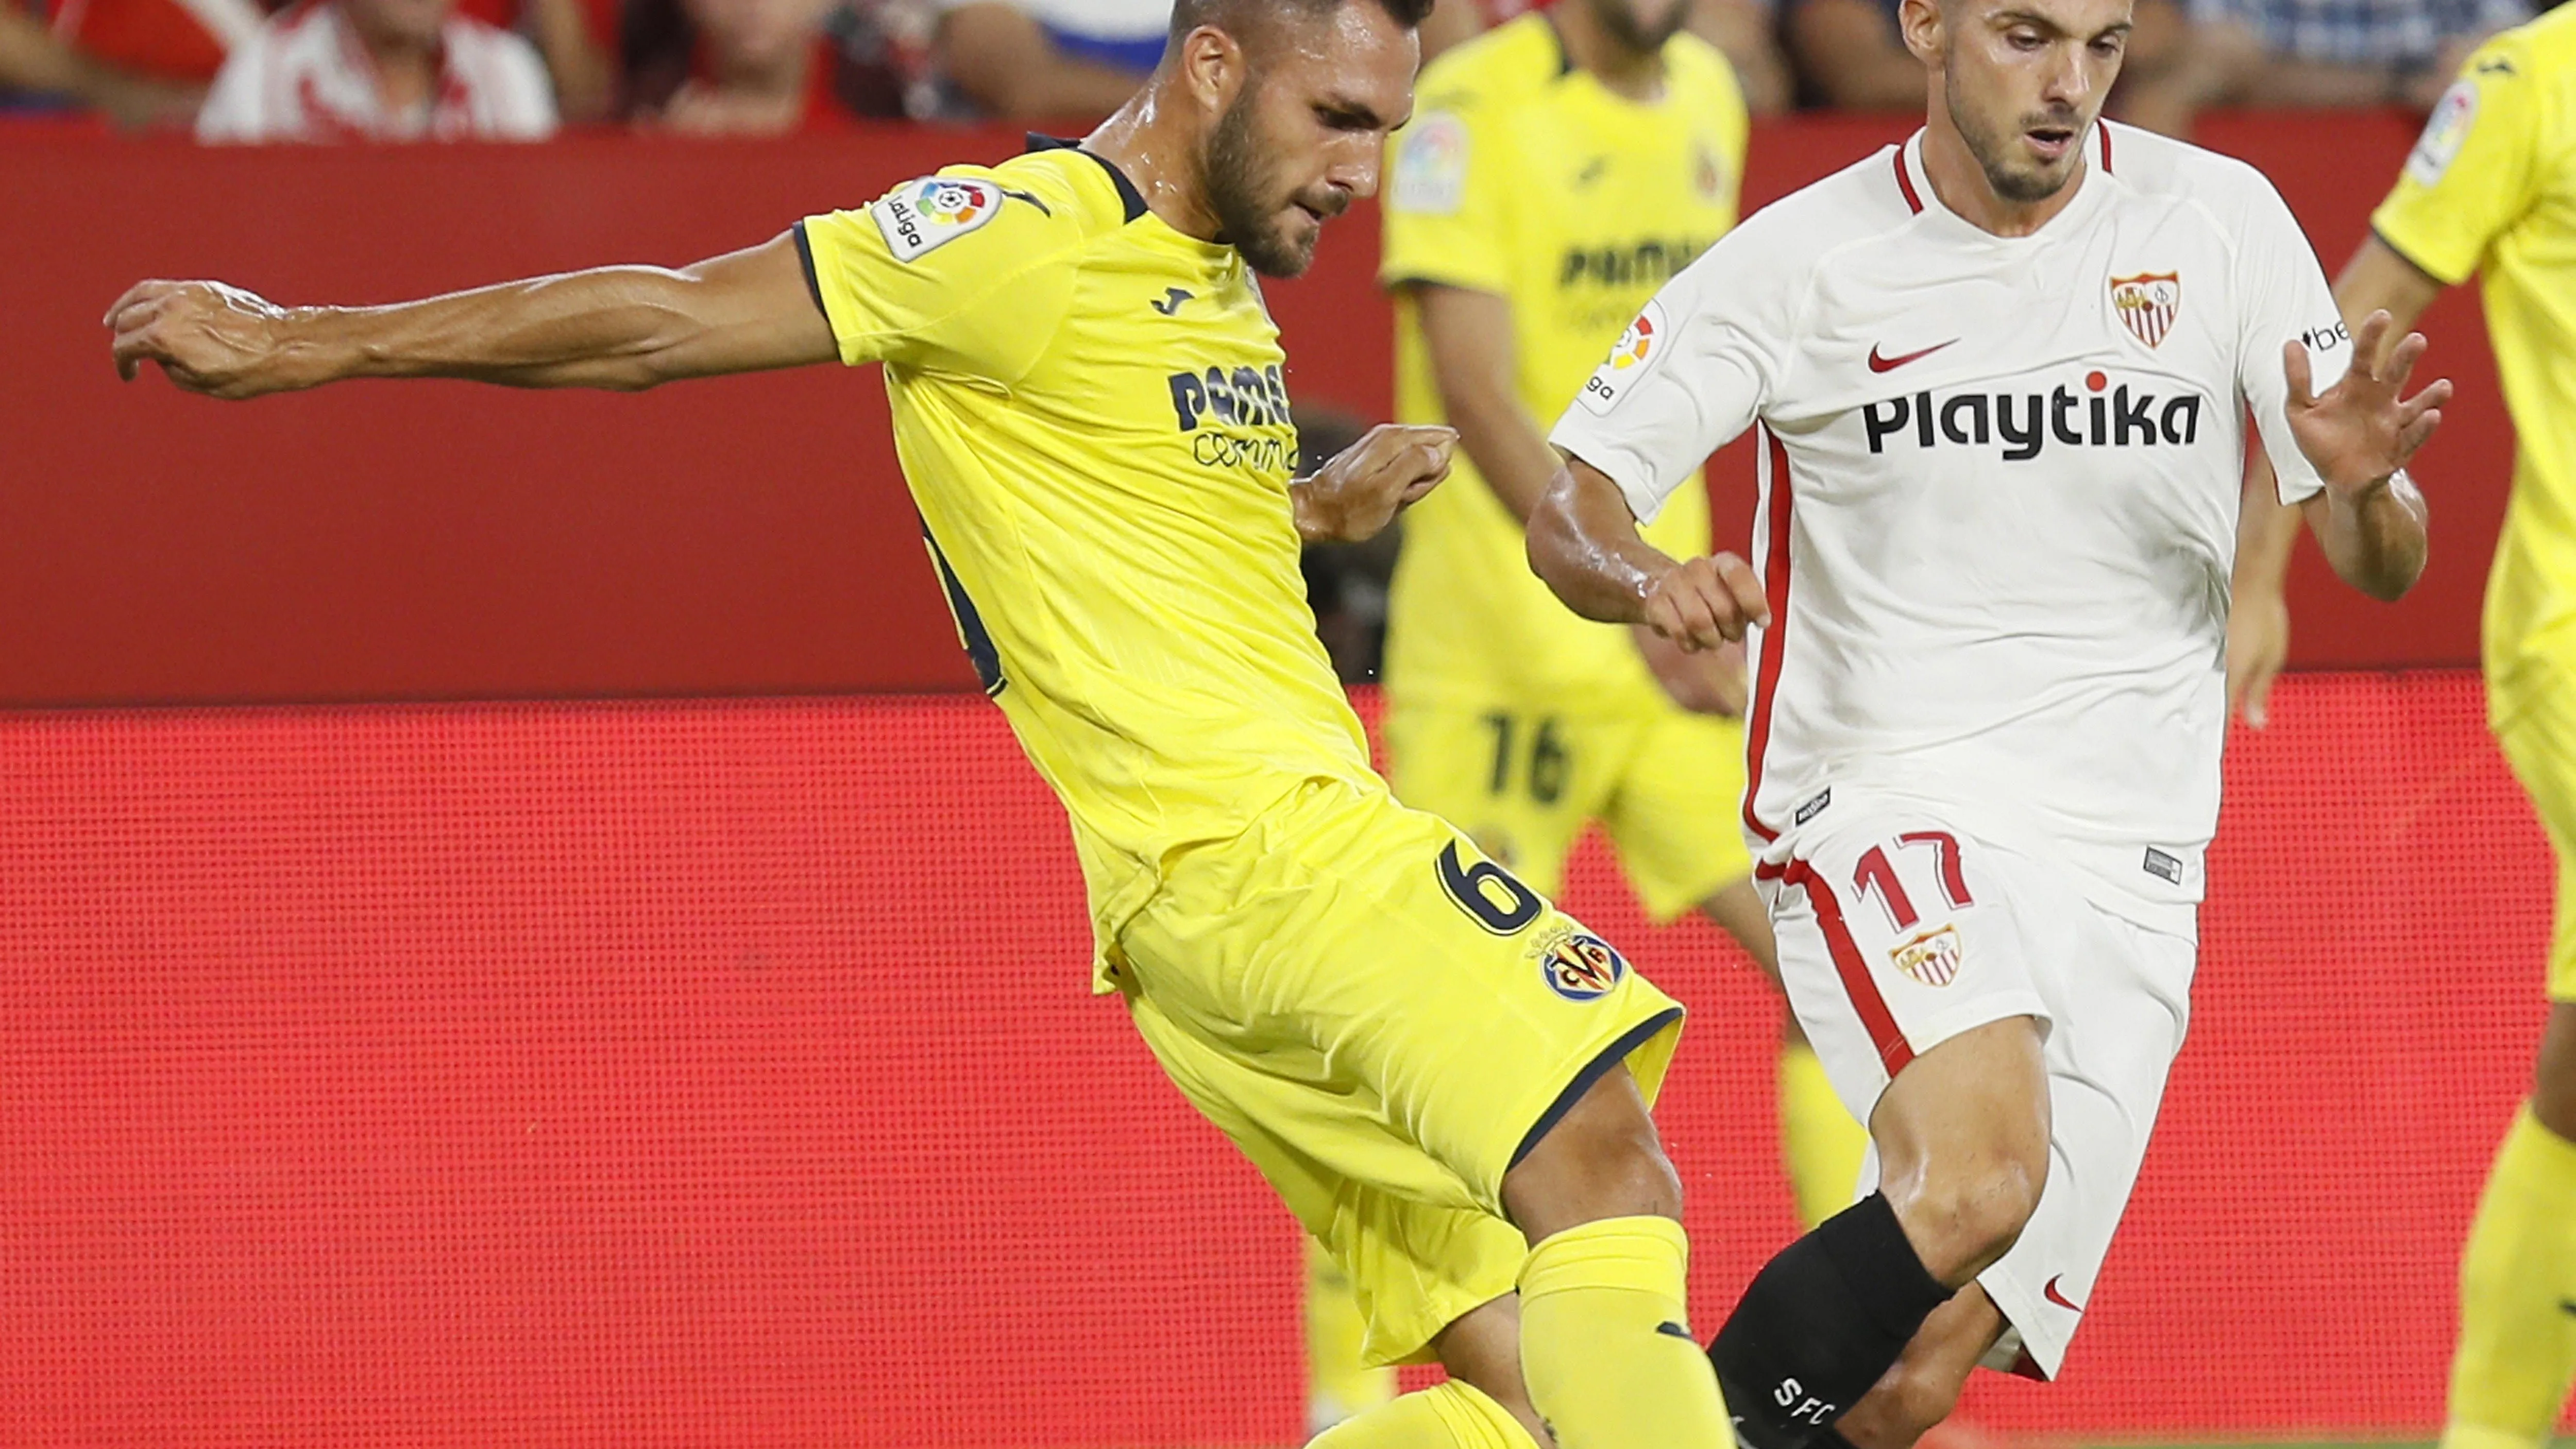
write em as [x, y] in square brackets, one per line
[577, 39]
[379, 70]
[177, 46]
[760, 67]
[1849, 55]
[35, 61]
[2317, 53]
[1050, 59]
[1741, 28]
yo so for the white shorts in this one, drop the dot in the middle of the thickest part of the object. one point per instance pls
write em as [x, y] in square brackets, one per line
[1898, 931]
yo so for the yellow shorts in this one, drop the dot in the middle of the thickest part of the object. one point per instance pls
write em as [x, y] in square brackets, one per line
[1667, 785]
[1383, 1021]
[2533, 707]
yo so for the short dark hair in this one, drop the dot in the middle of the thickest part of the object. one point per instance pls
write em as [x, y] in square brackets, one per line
[1235, 16]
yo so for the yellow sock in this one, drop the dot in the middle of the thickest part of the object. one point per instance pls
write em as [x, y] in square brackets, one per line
[1451, 1416]
[2517, 1297]
[1818, 1139]
[1338, 1385]
[1605, 1346]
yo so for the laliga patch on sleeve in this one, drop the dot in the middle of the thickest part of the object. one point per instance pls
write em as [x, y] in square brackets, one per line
[1646, 339]
[2444, 133]
[919, 217]
[1431, 166]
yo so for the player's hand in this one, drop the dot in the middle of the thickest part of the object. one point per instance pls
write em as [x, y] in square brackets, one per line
[209, 338]
[2363, 430]
[1709, 682]
[1361, 489]
[2258, 644]
[1706, 603]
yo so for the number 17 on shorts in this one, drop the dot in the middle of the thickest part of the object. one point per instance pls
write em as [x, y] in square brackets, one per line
[1896, 934]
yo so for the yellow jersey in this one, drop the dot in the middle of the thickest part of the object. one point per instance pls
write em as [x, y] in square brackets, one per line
[2491, 188]
[1091, 412]
[1524, 176]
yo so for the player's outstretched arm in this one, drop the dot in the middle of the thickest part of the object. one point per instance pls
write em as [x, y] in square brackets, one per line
[2359, 436]
[1361, 488]
[625, 328]
[1584, 545]
[2377, 279]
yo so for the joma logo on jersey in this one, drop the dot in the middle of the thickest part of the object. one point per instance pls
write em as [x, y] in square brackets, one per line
[1627, 266]
[2023, 425]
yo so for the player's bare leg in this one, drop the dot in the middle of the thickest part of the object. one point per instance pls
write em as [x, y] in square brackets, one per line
[1962, 1136]
[1920, 1389]
[1484, 1349]
[1483, 1405]
[1962, 1139]
[1605, 1345]
[1820, 1144]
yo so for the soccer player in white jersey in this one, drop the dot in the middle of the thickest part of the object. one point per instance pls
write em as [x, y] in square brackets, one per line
[2000, 376]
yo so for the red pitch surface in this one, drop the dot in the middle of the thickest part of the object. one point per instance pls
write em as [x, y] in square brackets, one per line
[724, 1074]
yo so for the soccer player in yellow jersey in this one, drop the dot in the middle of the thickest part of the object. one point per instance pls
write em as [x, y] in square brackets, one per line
[1445, 1078]
[1559, 169]
[2491, 189]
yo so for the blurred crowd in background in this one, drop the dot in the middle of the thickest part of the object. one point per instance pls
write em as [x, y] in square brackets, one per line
[322, 70]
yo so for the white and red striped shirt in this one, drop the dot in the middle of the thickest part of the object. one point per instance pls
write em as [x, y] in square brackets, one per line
[305, 77]
[2000, 483]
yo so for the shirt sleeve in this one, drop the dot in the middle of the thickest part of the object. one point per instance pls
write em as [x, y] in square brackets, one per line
[1446, 206]
[2285, 299]
[2474, 171]
[1689, 375]
[959, 273]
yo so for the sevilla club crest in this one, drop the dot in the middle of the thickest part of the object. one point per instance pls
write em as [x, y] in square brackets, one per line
[2147, 304]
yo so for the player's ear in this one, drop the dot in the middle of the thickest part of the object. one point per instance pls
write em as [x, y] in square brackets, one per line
[1213, 67]
[1925, 28]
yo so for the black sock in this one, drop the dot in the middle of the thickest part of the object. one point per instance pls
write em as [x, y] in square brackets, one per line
[1820, 1323]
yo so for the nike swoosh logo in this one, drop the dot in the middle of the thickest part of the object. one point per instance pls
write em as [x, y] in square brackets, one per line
[2567, 1306]
[1173, 297]
[2050, 1292]
[1670, 1329]
[1890, 364]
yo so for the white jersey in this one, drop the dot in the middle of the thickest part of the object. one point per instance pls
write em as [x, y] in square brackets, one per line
[1999, 489]
[305, 77]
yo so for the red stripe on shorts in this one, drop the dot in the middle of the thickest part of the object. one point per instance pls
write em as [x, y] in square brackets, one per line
[1893, 1049]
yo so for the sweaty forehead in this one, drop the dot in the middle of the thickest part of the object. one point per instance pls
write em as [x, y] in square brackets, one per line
[2072, 17]
[1352, 56]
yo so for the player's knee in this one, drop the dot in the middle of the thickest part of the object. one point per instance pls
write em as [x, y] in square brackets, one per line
[1962, 1218]
[1602, 1159]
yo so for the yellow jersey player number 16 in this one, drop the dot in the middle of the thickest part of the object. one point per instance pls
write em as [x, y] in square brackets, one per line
[1445, 1078]
[1559, 170]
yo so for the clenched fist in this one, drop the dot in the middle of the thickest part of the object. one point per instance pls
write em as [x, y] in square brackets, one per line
[1356, 494]
[209, 338]
[1706, 603]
